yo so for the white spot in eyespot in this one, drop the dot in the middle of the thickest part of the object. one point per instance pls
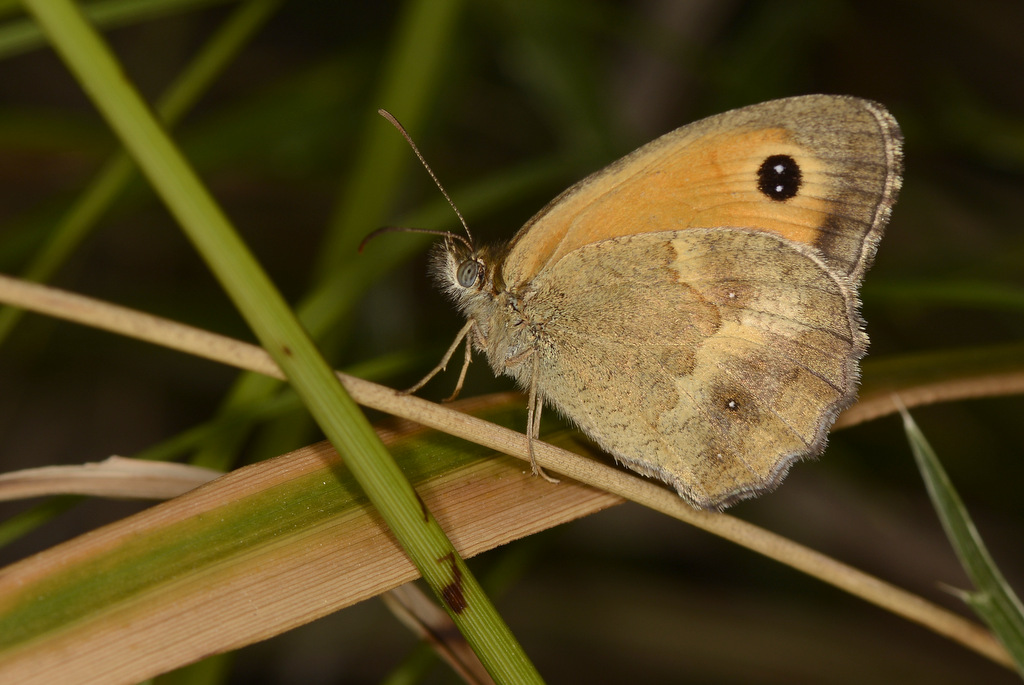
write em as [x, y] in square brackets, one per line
[779, 169]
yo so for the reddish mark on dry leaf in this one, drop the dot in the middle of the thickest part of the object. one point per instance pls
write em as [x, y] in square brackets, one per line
[452, 592]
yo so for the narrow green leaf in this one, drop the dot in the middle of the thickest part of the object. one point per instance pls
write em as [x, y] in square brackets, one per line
[23, 35]
[280, 333]
[107, 185]
[993, 599]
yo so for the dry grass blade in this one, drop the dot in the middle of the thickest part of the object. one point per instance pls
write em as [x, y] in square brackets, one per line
[250, 555]
[600, 475]
[116, 477]
[933, 377]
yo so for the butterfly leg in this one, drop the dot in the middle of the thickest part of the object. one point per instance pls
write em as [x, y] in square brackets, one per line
[534, 407]
[465, 364]
[446, 358]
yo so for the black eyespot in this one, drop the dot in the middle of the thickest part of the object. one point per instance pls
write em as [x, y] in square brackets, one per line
[468, 273]
[779, 177]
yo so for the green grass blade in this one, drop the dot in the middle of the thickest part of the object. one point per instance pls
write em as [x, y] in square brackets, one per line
[116, 173]
[993, 599]
[280, 333]
[20, 36]
[19, 525]
[948, 292]
[408, 82]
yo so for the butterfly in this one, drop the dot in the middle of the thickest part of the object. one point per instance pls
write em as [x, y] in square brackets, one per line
[693, 307]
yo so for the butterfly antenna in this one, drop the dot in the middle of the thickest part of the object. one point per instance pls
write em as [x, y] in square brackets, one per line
[401, 129]
[406, 229]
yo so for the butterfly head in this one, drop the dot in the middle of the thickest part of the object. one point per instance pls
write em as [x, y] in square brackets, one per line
[467, 274]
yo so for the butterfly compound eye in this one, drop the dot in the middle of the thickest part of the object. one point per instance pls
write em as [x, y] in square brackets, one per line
[468, 273]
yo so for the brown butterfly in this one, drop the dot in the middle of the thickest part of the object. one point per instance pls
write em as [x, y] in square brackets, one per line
[693, 306]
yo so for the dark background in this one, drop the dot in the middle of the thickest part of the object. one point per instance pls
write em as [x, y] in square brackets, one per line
[531, 96]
